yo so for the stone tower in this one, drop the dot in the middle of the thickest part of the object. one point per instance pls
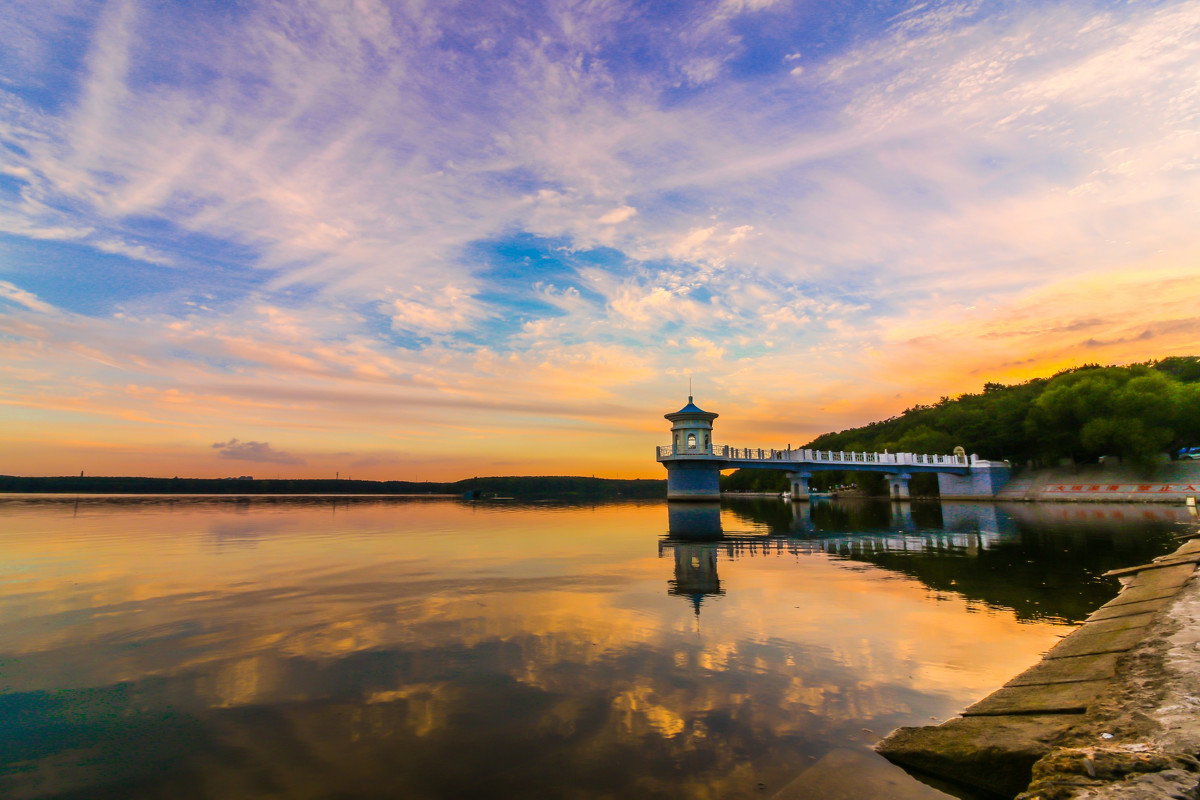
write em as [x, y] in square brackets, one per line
[691, 430]
[692, 471]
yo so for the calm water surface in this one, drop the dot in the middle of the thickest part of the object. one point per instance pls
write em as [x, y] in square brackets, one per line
[417, 648]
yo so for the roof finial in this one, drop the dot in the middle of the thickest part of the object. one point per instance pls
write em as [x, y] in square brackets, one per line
[689, 388]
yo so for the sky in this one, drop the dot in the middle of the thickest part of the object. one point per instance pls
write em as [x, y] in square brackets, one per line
[433, 240]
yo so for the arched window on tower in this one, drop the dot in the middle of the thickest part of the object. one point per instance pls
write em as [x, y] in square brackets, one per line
[691, 441]
[706, 441]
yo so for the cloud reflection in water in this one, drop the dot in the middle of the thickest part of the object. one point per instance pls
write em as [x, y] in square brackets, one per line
[428, 649]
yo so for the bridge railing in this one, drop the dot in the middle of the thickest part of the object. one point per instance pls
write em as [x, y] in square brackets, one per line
[718, 450]
[841, 457]
[810, 456]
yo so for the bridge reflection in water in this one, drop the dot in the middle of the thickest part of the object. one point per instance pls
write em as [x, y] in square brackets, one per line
[703, 520]
[1018, 557]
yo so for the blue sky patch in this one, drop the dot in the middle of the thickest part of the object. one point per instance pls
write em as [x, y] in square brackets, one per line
[78, 278]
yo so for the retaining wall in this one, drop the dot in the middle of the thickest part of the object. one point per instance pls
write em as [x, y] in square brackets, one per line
[1168, 483]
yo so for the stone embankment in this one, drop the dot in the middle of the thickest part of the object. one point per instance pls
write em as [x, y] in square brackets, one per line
[1112, 711]
[1168, 483]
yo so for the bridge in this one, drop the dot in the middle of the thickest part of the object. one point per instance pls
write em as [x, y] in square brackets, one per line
[694, 464]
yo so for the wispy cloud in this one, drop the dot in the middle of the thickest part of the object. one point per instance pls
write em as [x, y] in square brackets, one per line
[661, 190]
[21, 297]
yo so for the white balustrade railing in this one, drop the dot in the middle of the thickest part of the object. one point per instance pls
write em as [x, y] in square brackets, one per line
[805, 455]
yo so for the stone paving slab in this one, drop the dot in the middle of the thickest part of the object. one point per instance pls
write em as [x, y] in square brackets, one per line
[1085, 642]
[1162, 577]
[1053, 698]
[1142, 593]
[1172, 561]
[996, 754]
[1188, 548]
[1101, 666]
[1129, 609]
[1116, 623]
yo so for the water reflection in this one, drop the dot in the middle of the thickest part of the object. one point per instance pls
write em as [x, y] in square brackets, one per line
[695, 572]
[1041, 561]
[694, 521]
[370, 648]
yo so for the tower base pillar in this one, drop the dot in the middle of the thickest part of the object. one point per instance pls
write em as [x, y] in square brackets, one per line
[693, 481]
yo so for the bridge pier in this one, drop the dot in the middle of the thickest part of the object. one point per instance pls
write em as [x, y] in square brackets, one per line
[984, 480]
[693, 480]
[799, 485]
[898, 485]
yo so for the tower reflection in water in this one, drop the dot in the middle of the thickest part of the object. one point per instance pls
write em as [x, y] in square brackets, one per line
[695, 530]
[695, 572]
[694, 522]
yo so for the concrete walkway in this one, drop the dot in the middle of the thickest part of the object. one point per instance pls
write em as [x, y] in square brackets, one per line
[1113, 705]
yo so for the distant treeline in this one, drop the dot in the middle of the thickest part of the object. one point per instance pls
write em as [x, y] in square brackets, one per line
[1136, 412]
[523, 488]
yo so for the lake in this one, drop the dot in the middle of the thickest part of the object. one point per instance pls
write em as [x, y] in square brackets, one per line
[318, 647]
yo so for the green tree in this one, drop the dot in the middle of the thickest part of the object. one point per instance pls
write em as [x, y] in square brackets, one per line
[924, 439]
[1130, 412]
[1183, 368]
[1187, 425]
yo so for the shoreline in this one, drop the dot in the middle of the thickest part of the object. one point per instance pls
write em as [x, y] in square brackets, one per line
[100, 495]
[1111, 709]
[540, 487]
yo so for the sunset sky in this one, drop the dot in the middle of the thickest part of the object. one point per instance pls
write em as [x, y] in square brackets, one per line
[431, 240]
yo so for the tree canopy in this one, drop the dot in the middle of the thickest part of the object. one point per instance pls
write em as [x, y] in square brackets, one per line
[1136, 412]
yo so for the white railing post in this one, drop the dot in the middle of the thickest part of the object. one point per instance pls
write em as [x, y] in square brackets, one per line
[825, 456]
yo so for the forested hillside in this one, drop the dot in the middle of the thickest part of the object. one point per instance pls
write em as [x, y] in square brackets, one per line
[1137, 412]
[1134, 412]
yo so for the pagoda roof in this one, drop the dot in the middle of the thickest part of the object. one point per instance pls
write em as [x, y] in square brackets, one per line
[691, 409]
